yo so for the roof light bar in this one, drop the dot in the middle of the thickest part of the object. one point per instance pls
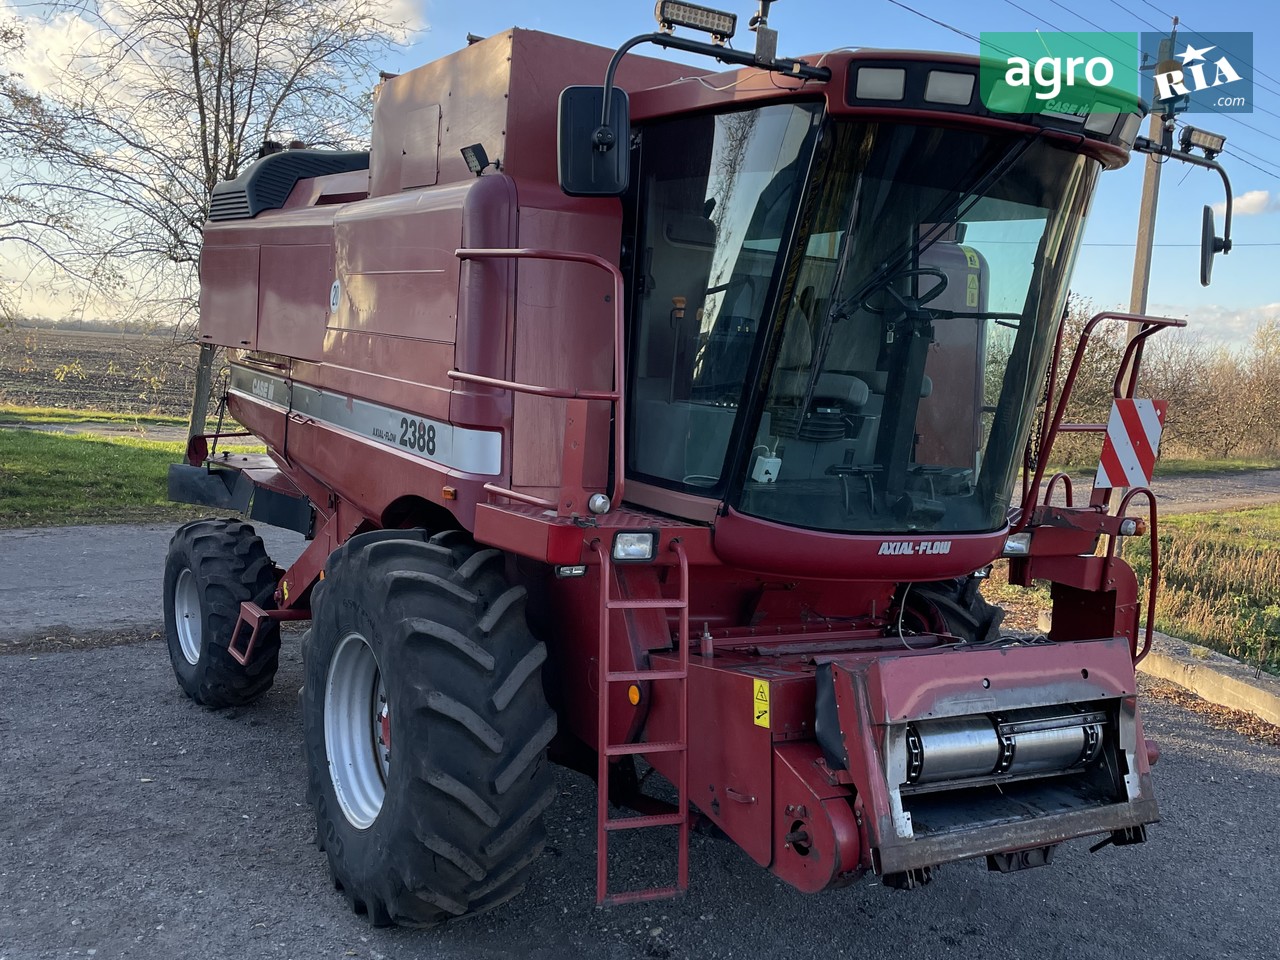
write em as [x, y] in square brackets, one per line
[881, 83]
[944, 86]
[720, 25]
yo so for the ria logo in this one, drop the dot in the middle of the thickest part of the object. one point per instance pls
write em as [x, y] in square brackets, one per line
[1191, 76]
[1207, 73]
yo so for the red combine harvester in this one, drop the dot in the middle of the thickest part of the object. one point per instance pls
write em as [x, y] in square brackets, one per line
[669, 430]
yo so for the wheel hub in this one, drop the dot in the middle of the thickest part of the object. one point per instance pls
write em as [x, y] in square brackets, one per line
[357, 730]
[186, 615]
[382, 731]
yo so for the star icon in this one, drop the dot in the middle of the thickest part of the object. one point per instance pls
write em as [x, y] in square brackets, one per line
[1191, 53]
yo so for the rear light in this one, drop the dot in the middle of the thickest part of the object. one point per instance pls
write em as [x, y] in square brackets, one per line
[197, 450]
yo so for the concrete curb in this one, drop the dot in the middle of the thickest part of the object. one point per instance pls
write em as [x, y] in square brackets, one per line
[1214, 677]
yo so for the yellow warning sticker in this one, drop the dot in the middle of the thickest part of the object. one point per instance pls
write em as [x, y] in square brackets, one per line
[971, 257]
[971, 293]
[760, 702]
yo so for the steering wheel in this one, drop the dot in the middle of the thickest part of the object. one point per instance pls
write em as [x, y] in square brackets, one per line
[914, 302]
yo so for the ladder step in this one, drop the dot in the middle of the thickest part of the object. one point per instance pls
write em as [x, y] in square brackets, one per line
[645, 604]
[632, 749]
[621, 676]
[641, 896]
[639, 823]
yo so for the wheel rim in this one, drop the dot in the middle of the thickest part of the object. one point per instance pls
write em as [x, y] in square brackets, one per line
[357, 730]
[186, 615]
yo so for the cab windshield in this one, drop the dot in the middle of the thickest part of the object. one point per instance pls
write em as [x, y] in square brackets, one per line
[865, 351]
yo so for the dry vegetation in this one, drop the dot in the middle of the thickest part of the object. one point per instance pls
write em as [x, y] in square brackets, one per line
[1224, 402]
[124, 372]
[1219, 582]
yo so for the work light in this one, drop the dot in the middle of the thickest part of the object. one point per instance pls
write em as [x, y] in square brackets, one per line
[1210, 143]
[672, 14]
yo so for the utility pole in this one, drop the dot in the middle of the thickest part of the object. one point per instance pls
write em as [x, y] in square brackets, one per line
[1150, 197]
[1147, 223]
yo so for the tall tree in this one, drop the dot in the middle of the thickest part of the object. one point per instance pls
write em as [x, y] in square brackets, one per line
[150, 103]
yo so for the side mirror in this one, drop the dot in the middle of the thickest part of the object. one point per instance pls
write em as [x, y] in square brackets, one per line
[1210, 244]
[588, 168]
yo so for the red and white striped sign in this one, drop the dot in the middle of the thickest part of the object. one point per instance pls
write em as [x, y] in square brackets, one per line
[1133, 441]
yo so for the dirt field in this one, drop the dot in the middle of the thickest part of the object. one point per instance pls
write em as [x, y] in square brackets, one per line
[121, 372]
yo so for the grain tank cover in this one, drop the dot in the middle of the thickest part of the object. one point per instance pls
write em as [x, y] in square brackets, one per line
[267, 183]
[500, 93]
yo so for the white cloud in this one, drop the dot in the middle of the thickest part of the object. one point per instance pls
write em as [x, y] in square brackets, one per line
[1248, 204]
[1220, 324]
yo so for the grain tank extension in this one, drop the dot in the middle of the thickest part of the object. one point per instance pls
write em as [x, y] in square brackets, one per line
[671, 437]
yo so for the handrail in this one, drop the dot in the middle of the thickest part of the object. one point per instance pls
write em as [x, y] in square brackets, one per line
[1153, 529]
[614, 396]
[1066, 485]
[1132, 357]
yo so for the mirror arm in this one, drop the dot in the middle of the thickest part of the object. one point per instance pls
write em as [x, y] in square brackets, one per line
[603, 138]
[1146, 145]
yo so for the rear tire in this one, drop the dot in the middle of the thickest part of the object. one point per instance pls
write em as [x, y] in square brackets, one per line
[428, 802]
[212, 566]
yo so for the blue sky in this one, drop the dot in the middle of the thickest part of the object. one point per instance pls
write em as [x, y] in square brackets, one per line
[1246, 284]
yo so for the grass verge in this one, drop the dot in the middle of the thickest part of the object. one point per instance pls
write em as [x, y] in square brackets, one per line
[1185, 468]
[52, 479]
[11, 414]
[1168, 467]
[1219, 581]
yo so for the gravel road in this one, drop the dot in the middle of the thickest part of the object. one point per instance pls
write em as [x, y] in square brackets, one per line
[137, 824]
[64, 580]
[1194, 493]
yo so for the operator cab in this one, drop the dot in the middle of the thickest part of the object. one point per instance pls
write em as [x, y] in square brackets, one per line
[841, 315]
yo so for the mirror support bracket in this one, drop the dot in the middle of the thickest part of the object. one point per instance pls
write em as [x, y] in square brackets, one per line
[604, 137]
[1146, 145]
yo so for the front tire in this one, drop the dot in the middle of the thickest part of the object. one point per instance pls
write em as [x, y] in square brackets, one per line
[960, 605]
[212, 566]
[425, 727]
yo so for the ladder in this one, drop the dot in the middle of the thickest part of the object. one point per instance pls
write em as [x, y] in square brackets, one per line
[605, 824]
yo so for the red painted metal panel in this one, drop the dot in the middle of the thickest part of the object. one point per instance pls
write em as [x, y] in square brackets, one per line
[804, 800]
[294, 299]
[730, 757]
[501, 93]
[957, 682]
[777, 550]
[396, 265]
[229, 295]
[486, 306]
[564, 332]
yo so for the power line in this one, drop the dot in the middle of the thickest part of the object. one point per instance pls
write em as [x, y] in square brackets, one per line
[1138, 17]
[1197, 33]
[1035, 16]
[974, 39]
[1080, 16]
[1248, 163]
[1058, 29]
[933, 20]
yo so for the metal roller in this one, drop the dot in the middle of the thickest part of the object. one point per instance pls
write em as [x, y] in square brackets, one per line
[1043, 741]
